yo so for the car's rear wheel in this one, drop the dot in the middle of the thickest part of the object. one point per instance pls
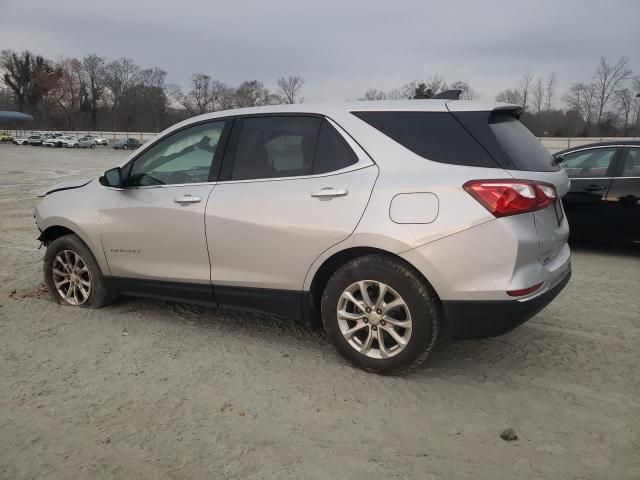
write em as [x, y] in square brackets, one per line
[73, 275]
[124, 147]
[380, 314]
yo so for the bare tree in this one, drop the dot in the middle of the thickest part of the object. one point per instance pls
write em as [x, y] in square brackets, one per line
[606, 79]
[509, 96]
[549, 91]
[29, 76]
[120, 77]
[524, 87]
[94, 73]
[198, 100]
[423, 89]
[151, 95]
[222, 96]
[289, 88]
[624, 101]
[70, 90]
[538, 95]
[252, 93]
[373, 94]
[636, 103]
[467, 93]
[581, 98]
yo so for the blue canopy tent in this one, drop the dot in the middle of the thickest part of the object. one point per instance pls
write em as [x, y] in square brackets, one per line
[15, 120]
[14, 117]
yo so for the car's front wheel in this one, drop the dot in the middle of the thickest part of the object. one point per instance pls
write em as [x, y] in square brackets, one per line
[380, 314]
[124, 147]
[72, 274]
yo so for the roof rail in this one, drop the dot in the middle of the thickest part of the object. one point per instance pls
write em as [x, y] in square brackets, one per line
[448, 95]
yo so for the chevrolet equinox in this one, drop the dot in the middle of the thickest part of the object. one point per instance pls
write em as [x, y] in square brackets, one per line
[386, 223]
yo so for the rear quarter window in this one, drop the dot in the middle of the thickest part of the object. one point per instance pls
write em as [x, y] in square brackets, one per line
[508, 141]
[520, 145]
[490, 139]
[436, 136]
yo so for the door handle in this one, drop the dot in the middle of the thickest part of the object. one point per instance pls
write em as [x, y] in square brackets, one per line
[593, 188]
[187, 199]
[330, 192]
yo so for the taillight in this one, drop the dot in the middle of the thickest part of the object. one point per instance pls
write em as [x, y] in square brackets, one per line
[511, 197]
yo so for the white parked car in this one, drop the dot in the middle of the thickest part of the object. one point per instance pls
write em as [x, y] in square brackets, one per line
[99, 140]
[21, 141]
[52, 142]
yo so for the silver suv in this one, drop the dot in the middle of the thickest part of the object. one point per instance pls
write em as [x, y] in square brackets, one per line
[387, 223]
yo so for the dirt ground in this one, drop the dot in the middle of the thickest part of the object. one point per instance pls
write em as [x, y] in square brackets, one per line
[150, 389]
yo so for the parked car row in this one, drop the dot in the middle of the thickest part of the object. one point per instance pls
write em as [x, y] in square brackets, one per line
[59, 140]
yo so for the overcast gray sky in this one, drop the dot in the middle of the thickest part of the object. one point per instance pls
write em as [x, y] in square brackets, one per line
[341, 48]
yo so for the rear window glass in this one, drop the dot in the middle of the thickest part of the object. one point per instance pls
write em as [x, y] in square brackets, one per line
[520, 145]
[436, 136]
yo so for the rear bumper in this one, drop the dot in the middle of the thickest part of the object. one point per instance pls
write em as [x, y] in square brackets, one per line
[479, 319]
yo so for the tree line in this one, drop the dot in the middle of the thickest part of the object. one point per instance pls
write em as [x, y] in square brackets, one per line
[95, 93]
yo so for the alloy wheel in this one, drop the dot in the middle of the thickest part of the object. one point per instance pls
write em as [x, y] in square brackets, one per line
[71, 277]
[374, 319]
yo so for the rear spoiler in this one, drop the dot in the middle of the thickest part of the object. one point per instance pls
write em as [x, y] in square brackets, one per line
[488, 108]
[448, 95]
[515, 110]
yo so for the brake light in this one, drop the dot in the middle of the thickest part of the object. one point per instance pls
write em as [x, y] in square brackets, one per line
[511, 197]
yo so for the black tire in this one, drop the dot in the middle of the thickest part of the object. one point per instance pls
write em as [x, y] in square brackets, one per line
[93, 145]
[99, 295]
[420, 298]
[124, 147]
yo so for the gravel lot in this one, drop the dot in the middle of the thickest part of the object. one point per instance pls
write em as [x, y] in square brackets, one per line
[149, 389]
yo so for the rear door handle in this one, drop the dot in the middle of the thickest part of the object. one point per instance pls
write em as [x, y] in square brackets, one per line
[330, 192]
[187, 199]
[593, 188]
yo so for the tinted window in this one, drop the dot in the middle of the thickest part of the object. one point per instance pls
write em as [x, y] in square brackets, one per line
[591, 163]
[272, 147]
[631, 167]
[333, 152]
[183, 157]
[520, 145]
[436, 136]
[508, 142]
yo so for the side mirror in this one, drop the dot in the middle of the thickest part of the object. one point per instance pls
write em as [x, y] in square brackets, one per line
[112, 178]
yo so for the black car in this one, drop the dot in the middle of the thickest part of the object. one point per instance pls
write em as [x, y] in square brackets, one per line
[604, 200]
[127, 144]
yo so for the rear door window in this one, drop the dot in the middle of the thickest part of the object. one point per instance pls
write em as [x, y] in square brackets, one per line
[275, 147]
[631, 166]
